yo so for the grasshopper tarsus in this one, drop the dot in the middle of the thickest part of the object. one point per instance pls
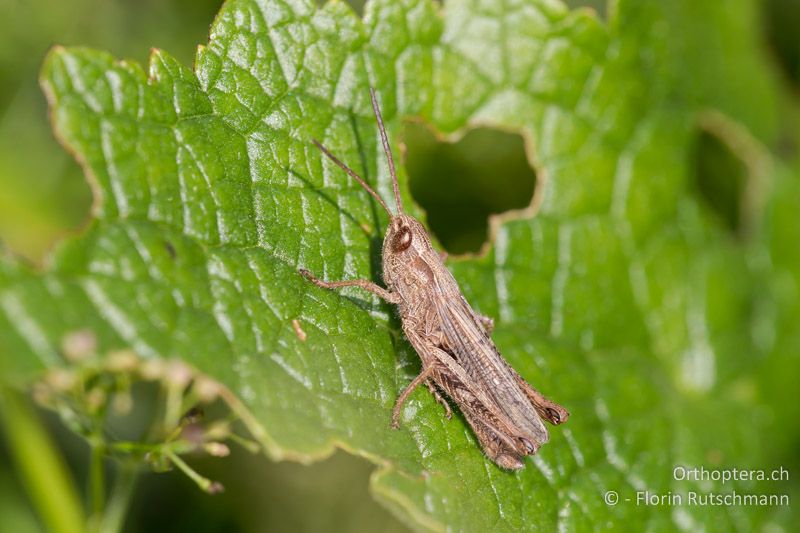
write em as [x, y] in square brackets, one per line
[452, 339]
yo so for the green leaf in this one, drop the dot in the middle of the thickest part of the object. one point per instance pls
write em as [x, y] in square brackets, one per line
[623, 298]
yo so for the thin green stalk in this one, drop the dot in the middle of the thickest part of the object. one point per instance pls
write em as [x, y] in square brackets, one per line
[204, 483]
[249, 445]
[40, 466]
[172, 408]
[118, 503]
[97, 488]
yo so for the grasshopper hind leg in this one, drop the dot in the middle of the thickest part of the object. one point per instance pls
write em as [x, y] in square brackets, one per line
[498, 449]
[546, 408]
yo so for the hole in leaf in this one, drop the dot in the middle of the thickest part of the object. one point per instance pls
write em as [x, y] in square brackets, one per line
[782, 24]
[356, 5]
[460, 184]
[720, 178]
[598, 6]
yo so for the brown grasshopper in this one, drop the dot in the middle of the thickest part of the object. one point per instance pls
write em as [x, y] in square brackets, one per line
[453, 341]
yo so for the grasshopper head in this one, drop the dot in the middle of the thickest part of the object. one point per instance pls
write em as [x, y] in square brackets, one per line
[406, 237]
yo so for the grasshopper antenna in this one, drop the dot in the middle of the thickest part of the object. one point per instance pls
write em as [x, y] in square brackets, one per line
[352, 174]
[387, 150]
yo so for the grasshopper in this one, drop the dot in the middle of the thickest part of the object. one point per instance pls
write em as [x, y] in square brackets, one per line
[453, 341]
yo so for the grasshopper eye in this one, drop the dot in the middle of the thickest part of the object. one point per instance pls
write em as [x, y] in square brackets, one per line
[402, 240]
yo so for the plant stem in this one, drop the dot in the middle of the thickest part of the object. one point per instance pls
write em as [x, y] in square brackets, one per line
[44, 474]
[204, 483]
[249, 445]
[97, 483]
[114, 516]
